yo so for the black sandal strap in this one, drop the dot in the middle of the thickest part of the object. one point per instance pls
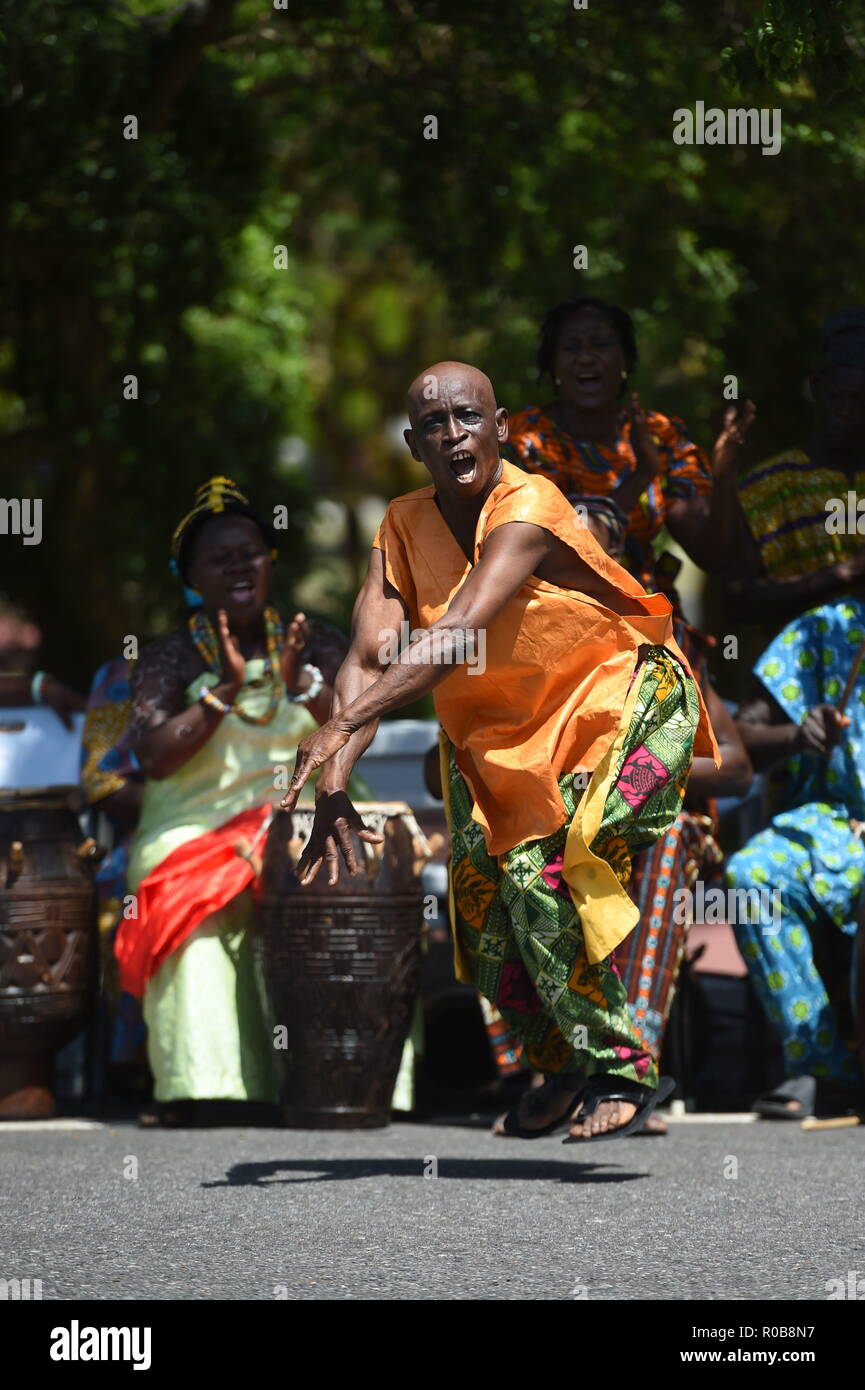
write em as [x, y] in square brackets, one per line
[600, 1089]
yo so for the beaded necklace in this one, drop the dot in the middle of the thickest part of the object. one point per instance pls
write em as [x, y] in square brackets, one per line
[203, 634]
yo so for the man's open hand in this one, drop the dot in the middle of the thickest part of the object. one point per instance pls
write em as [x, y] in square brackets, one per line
[312, 751]
[335, 819]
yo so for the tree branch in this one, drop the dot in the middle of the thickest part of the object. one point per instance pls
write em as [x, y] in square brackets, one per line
[201, 24]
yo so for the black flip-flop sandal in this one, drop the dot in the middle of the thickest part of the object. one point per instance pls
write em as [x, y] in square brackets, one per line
[513, 1129]
[802, 1089]
[168, 1114]
[650, 1133]
[599, 1089]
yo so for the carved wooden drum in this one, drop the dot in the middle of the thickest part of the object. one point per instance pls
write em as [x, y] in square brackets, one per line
[342, 967]
[47, 941]
[859, 985]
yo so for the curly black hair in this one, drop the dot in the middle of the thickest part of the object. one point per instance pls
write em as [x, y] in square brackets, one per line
[621, 323]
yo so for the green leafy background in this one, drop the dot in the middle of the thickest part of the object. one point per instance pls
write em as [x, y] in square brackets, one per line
[263, 127]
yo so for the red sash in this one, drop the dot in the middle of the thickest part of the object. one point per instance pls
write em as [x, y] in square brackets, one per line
[193, 881]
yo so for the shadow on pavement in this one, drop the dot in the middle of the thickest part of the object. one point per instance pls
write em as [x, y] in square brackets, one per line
[346, 1169]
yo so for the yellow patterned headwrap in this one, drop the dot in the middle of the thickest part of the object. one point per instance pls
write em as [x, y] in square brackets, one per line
[210, 499]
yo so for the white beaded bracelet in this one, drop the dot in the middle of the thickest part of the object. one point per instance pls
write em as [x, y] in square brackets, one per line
[36, 687]
[315, 686]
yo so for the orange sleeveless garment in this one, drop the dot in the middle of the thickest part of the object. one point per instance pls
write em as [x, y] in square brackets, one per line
[558, 663]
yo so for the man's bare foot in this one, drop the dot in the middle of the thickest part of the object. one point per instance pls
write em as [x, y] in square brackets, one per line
[654, 1125]
[608, 1115]
[615, 1105]
[541, 1106]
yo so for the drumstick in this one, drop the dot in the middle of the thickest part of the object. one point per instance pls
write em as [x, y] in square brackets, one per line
[835, 1122]
[851, 679]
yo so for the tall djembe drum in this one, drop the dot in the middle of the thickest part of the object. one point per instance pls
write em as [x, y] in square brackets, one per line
[859, 985]
[48, 931]
[342, 965]
[47, 941]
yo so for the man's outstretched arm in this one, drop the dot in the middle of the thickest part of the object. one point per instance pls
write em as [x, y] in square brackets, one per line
[511, 555]
[378, 611]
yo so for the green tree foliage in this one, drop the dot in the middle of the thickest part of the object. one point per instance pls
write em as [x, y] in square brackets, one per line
[134, 256]
[303, 127]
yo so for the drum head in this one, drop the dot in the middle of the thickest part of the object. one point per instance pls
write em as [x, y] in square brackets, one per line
[36, 750]
[63, 798]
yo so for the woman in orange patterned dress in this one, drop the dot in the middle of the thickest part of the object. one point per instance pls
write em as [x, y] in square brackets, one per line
[588, 440]
[651, 475]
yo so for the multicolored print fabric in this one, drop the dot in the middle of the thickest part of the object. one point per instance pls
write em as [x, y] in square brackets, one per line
[516, 920]
[538, 445]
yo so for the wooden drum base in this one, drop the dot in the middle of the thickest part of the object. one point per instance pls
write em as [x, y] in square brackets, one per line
[27, 1087]
[334, 1117]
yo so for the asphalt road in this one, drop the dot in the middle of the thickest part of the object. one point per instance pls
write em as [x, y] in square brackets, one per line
[261, 1214]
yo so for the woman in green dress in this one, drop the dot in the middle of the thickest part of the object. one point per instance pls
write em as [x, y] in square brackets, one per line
[219, 706]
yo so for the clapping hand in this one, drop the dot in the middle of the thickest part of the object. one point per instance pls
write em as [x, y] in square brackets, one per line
[648, 460]
[296, 639]
[230, 655]
[732, 436]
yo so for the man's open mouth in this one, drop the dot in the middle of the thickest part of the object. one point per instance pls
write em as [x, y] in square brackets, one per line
[463, 466]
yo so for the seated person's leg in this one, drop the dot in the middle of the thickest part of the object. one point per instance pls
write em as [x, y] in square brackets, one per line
[778, 949]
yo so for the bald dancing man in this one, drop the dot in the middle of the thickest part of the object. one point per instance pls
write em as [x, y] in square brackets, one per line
[563, 752]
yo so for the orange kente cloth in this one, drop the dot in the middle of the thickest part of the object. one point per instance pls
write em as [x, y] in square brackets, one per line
[198, 878]
[558, 662]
